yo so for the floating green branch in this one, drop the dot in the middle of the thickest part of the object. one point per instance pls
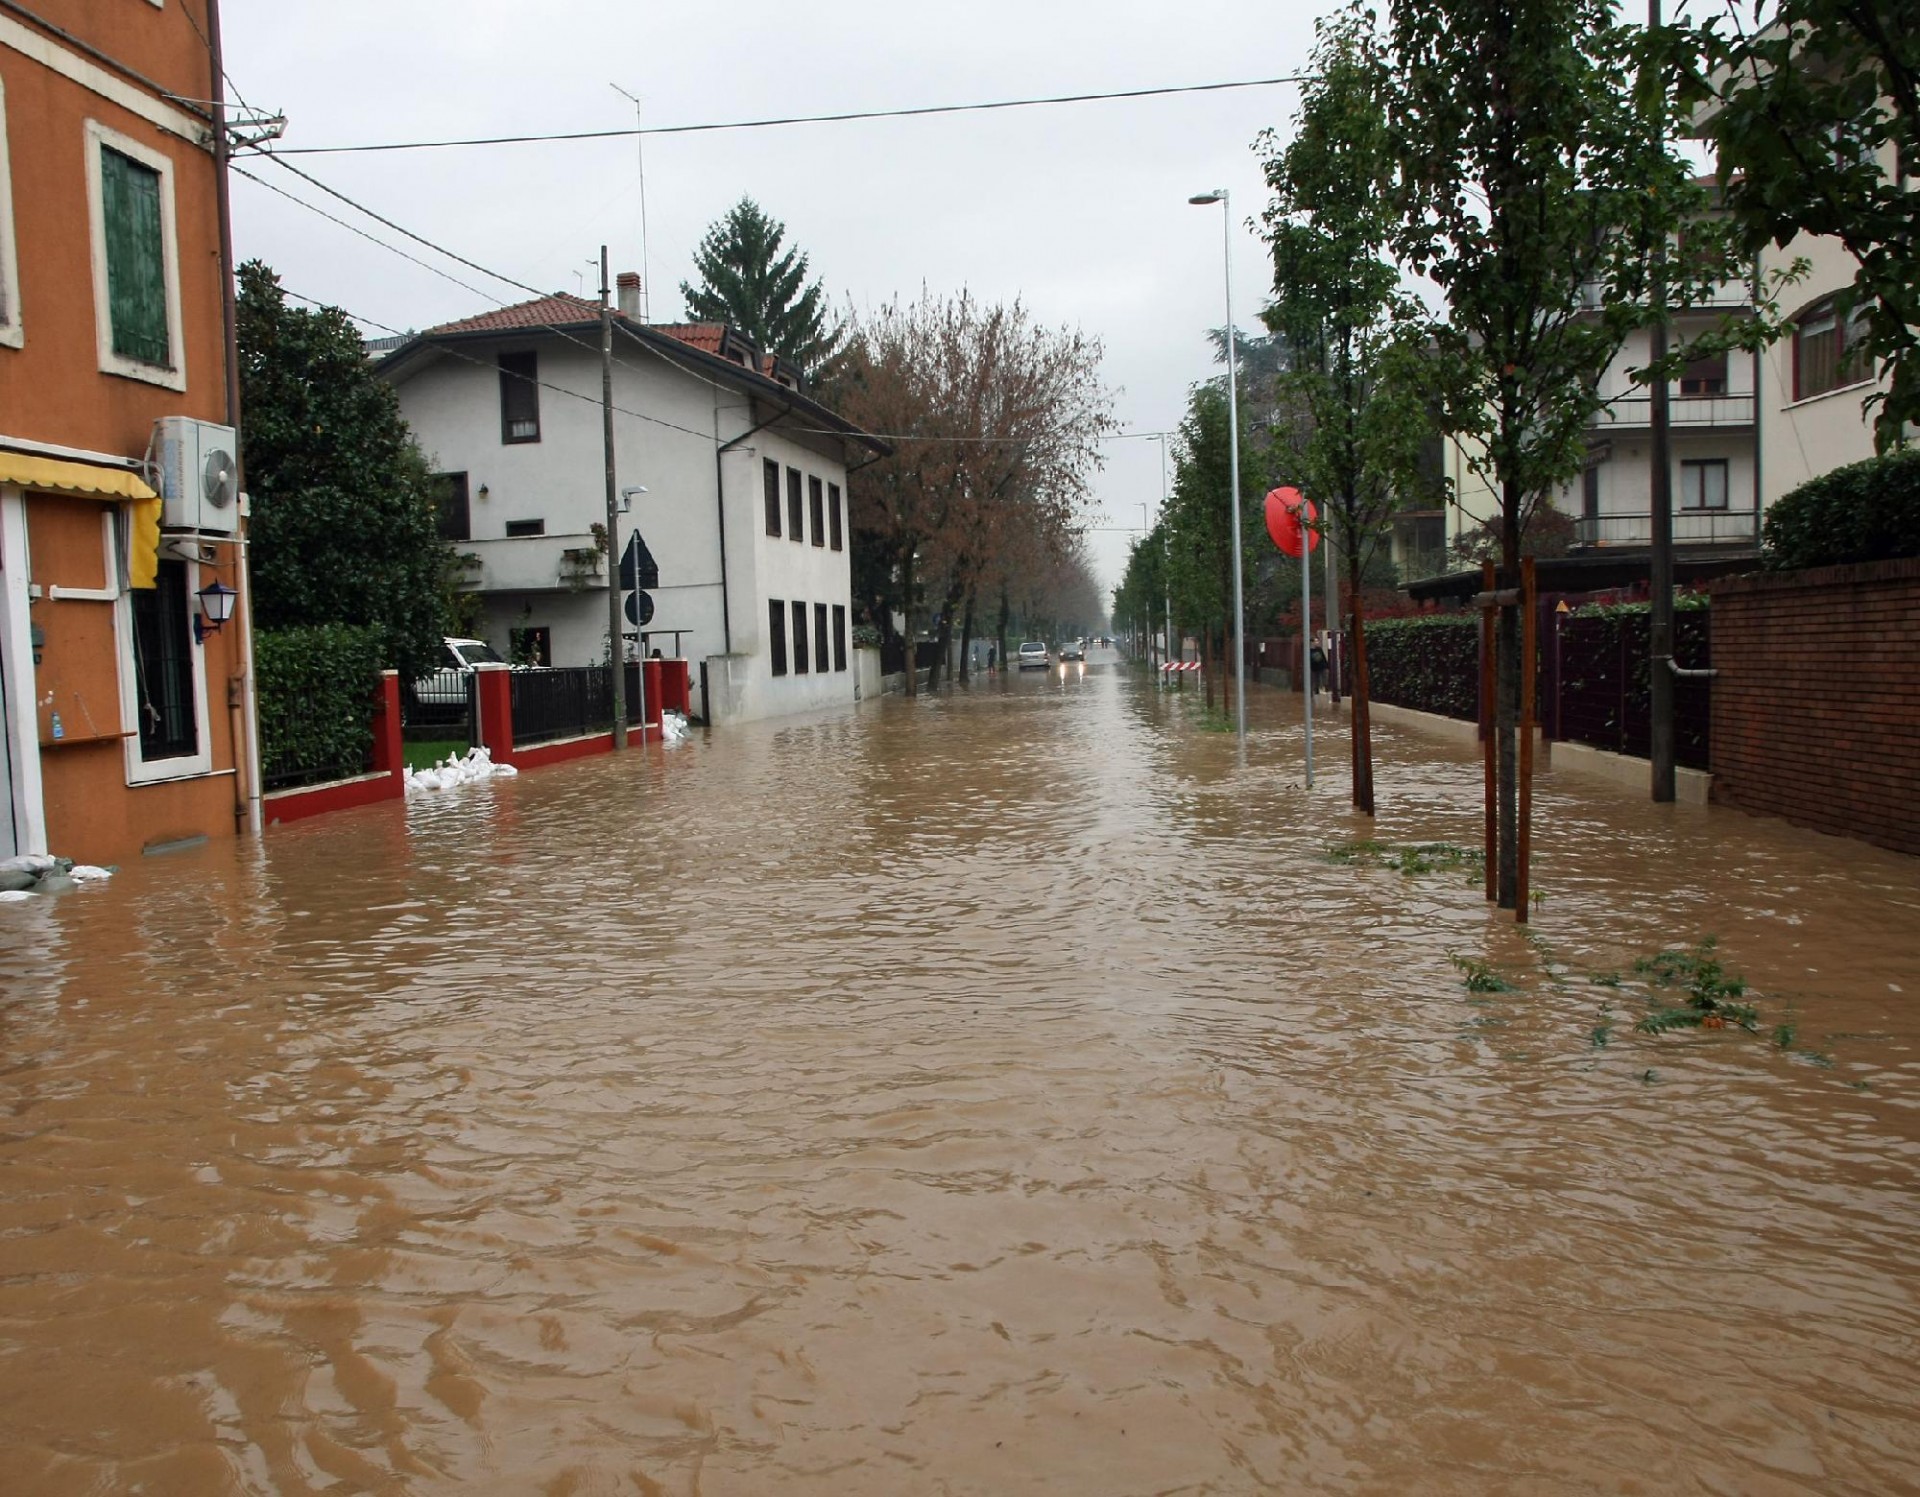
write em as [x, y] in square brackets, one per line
[1415, 858]
[1480, 978]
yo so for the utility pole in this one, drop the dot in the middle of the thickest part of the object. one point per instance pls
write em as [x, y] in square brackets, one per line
[616, 635]
[1660, 563]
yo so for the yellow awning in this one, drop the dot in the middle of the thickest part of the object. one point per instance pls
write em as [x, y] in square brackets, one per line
[64, 476]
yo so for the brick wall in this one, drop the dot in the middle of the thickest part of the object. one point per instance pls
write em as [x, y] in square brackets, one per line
[1816, 710]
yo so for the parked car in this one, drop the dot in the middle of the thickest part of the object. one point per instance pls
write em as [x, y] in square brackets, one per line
[1072, 651]
[1032, 656]
[441, 694]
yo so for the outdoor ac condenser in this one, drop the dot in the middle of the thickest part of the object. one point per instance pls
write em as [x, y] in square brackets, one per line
[198, 475]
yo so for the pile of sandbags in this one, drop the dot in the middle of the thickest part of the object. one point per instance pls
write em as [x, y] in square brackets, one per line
[33, 873]
[455, 770]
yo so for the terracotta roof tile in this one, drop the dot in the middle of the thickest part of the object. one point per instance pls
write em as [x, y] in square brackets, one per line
[705, 336]
[558, 310]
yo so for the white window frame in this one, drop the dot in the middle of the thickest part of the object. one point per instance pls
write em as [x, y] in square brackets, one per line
[141, 770]
[99, 137]
[12, 330]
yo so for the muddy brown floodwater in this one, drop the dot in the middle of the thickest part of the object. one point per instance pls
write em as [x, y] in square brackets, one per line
[992, 1094]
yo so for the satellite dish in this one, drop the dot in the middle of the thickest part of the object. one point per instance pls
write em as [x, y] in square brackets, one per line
[220, 480]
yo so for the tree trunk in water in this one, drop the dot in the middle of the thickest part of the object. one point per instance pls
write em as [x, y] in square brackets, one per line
[1206, 663]
[906, 611]
[1358, 692]
[966, 638]
[1005, 610]
[943, 639]
[1507, 706]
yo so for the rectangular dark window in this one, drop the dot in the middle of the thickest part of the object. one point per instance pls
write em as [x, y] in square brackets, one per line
[777, 634]
[520, 529]
[530, 645]
[799, 639]
[817, 504]
[163, 666]
[1590, 492]
[450, 503]
[770, 480]
[839, 636]
[136, 259]
[1706, 376]
[821, 648]
[833, 515]
[796, 513]
[1703, 485]
[519, 397]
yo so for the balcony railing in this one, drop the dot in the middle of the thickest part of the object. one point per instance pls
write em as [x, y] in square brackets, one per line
[1688, 411]
[1691, 527]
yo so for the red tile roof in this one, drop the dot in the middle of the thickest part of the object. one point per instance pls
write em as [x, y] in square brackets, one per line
[558, 310]
[706, 336]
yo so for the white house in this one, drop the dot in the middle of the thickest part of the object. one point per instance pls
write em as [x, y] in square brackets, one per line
[733, 477]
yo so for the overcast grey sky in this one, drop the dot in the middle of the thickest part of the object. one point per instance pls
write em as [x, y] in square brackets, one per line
[1080, 210]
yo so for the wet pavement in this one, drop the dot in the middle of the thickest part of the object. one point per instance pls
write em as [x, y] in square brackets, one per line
[999, 1092]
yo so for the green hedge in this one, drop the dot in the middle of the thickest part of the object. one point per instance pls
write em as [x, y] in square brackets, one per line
[1863, 512]
[1430, 663]
[315, 688]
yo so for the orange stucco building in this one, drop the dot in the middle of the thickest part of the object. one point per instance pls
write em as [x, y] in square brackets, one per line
[123, 729]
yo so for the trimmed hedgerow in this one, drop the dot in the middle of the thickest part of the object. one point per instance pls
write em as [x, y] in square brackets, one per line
[315, 689]
[1866, 511]
[1430, 663]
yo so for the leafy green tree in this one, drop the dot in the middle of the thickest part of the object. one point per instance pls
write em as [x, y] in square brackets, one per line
[1358, 368]
[1816, 116]
[344, 528]
[1535, 189]
[748, 281]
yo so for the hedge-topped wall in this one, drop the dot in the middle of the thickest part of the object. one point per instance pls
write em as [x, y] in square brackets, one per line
[315, 689]
[1430, 663]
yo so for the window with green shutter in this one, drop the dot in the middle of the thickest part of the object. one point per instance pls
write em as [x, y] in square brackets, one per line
[136, 259]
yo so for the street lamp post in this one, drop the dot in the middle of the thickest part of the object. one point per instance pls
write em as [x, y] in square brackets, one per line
[1219, 195]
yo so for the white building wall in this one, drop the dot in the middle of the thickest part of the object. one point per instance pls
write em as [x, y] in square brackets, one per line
[669, 423]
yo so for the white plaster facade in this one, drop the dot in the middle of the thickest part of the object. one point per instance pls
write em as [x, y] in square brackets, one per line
[695, 430]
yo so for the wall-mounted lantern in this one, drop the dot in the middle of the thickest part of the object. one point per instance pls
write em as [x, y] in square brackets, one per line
[216, 607]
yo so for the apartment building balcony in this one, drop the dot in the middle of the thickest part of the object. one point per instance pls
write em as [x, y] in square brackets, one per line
[1691, 527]
[1684, 413]
[533, 564]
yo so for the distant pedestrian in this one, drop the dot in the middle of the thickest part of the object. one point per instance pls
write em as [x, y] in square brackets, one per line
[1317, 658]
[993, 656]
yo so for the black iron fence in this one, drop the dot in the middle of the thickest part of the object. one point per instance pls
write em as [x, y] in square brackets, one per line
[293, 770]
[442, 708]
[561, 702]
[1600, 666]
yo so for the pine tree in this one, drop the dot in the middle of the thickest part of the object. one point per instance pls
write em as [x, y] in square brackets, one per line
[747, 282]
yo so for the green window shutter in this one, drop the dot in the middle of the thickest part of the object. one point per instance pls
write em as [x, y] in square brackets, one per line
[136, 259]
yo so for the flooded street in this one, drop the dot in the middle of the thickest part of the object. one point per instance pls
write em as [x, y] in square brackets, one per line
[995, 1093]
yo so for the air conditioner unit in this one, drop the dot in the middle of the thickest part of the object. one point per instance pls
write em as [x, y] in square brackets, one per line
[199, 475]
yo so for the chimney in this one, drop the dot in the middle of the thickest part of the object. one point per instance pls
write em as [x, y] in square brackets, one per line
[627, 291]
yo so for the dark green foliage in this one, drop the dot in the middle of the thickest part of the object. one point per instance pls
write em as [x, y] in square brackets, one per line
[1430, 663]
[1711, 992]
[344, 527]
[747, 282]
[1416, 858]
[1866, 511]
[315, 689]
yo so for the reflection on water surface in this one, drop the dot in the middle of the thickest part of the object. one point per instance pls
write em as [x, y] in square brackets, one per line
[998, 1093]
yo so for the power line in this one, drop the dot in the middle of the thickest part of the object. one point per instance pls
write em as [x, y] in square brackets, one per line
[796, 119]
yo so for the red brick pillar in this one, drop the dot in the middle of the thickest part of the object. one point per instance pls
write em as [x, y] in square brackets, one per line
[676, 690]
[389, 754]
[652, 668]
[494, 686]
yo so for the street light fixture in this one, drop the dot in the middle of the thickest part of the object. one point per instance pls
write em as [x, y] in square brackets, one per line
[1201, 200]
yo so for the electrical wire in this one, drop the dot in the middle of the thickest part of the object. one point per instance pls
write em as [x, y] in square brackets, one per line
[797, 119]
